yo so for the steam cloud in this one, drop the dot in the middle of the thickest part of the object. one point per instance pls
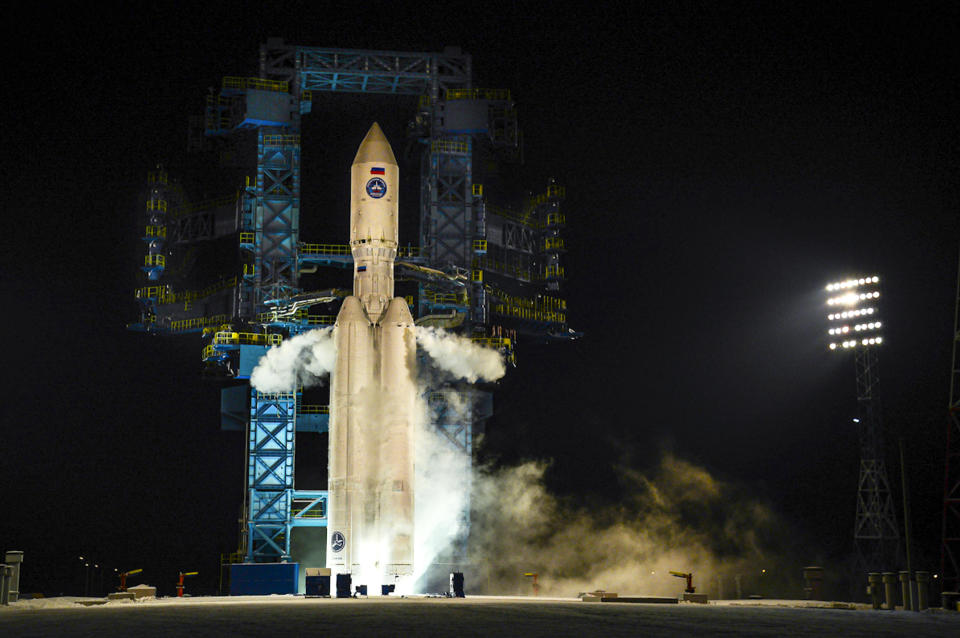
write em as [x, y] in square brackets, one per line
[681, 519]
[460, 356]
[443, 480]
[301, 360]
[444, 476]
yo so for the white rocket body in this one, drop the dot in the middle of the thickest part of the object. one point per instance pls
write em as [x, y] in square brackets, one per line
[373, 389]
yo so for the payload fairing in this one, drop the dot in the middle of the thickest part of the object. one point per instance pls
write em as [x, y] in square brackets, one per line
[373, 388]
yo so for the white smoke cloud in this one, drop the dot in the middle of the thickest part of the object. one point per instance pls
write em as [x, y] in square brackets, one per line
[302, 360]
[444, 477]
[460, 356]
[443, 483]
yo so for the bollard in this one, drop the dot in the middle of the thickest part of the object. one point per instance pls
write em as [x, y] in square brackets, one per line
[873, 587]
[13, 560]
[949, 600]
[923, 589]
[890, 589]
[905, 589]
[5, 573]
[813, 581]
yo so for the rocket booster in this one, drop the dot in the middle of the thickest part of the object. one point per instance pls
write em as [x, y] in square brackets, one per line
[373, 388]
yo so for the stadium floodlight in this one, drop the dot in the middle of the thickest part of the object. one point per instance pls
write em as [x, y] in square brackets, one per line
[854, 298]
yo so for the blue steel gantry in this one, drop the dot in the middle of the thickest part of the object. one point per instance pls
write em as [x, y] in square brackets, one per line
[489, 270]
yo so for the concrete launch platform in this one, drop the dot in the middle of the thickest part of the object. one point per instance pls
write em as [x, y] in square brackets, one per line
[473, 616]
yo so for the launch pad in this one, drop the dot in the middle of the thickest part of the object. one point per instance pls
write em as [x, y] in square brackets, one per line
[472, 616]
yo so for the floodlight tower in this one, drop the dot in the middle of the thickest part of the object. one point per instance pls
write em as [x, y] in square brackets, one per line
[855, 325]
[950, 549]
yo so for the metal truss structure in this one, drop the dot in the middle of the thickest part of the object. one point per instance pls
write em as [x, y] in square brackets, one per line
[950, 548]
[491, 272]
[875, 533]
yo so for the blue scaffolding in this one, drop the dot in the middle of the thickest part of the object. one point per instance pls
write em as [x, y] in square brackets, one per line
[491, 271]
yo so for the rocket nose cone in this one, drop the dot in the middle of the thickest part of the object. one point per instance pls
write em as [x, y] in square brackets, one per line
[351, 311]
[375, 148]
[398, 312]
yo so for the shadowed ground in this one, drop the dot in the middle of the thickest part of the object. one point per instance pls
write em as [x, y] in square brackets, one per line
[271, 616]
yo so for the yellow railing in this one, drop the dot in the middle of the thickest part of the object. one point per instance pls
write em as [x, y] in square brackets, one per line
[157, 177]
[478, 94]
[408, 251]
[506, 310]
[218, 100]
[553, 243]
[544, 308]
[196, 322]
[156, 231]
[423, 101]
[232, 82]
[313, 409]
[157, 204]
[506, 213]
[479, 245]
[276, 396]
[452, 299]
[534, 303]
[324, 249]
[281, 140]
[246, 338]
[299, 316]
[249, 270]
[306, 96]
[149, 292]
[556, 192]
[154, 260]
[556, 219]
[449, 146]
[476, 276]
[486, 263]
[552, 272]
[247, 238]
[164, 296]
[313, 512]
[477, 190]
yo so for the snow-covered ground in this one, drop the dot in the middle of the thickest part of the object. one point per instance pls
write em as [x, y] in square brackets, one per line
[474, 616]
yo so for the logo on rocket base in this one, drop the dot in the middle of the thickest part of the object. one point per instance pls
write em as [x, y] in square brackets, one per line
[337, 542]
[376, 188]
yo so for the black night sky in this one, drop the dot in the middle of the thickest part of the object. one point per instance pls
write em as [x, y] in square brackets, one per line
[723, 162]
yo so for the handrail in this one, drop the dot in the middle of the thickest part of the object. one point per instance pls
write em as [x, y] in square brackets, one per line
[325, 249]
[260, 84]
[479, 94]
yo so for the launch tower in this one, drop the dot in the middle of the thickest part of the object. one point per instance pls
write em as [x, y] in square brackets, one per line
[231, 265]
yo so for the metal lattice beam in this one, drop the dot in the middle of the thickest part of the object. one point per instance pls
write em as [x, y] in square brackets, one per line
[950, 548]
[394, 72]
[876, 534]
[276, 215]
[270, 456]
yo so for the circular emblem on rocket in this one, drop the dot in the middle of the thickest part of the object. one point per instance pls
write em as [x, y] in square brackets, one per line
[337, 542]
[376, 188]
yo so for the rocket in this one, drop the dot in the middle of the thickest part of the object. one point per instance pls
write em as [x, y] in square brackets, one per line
[373, 388]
